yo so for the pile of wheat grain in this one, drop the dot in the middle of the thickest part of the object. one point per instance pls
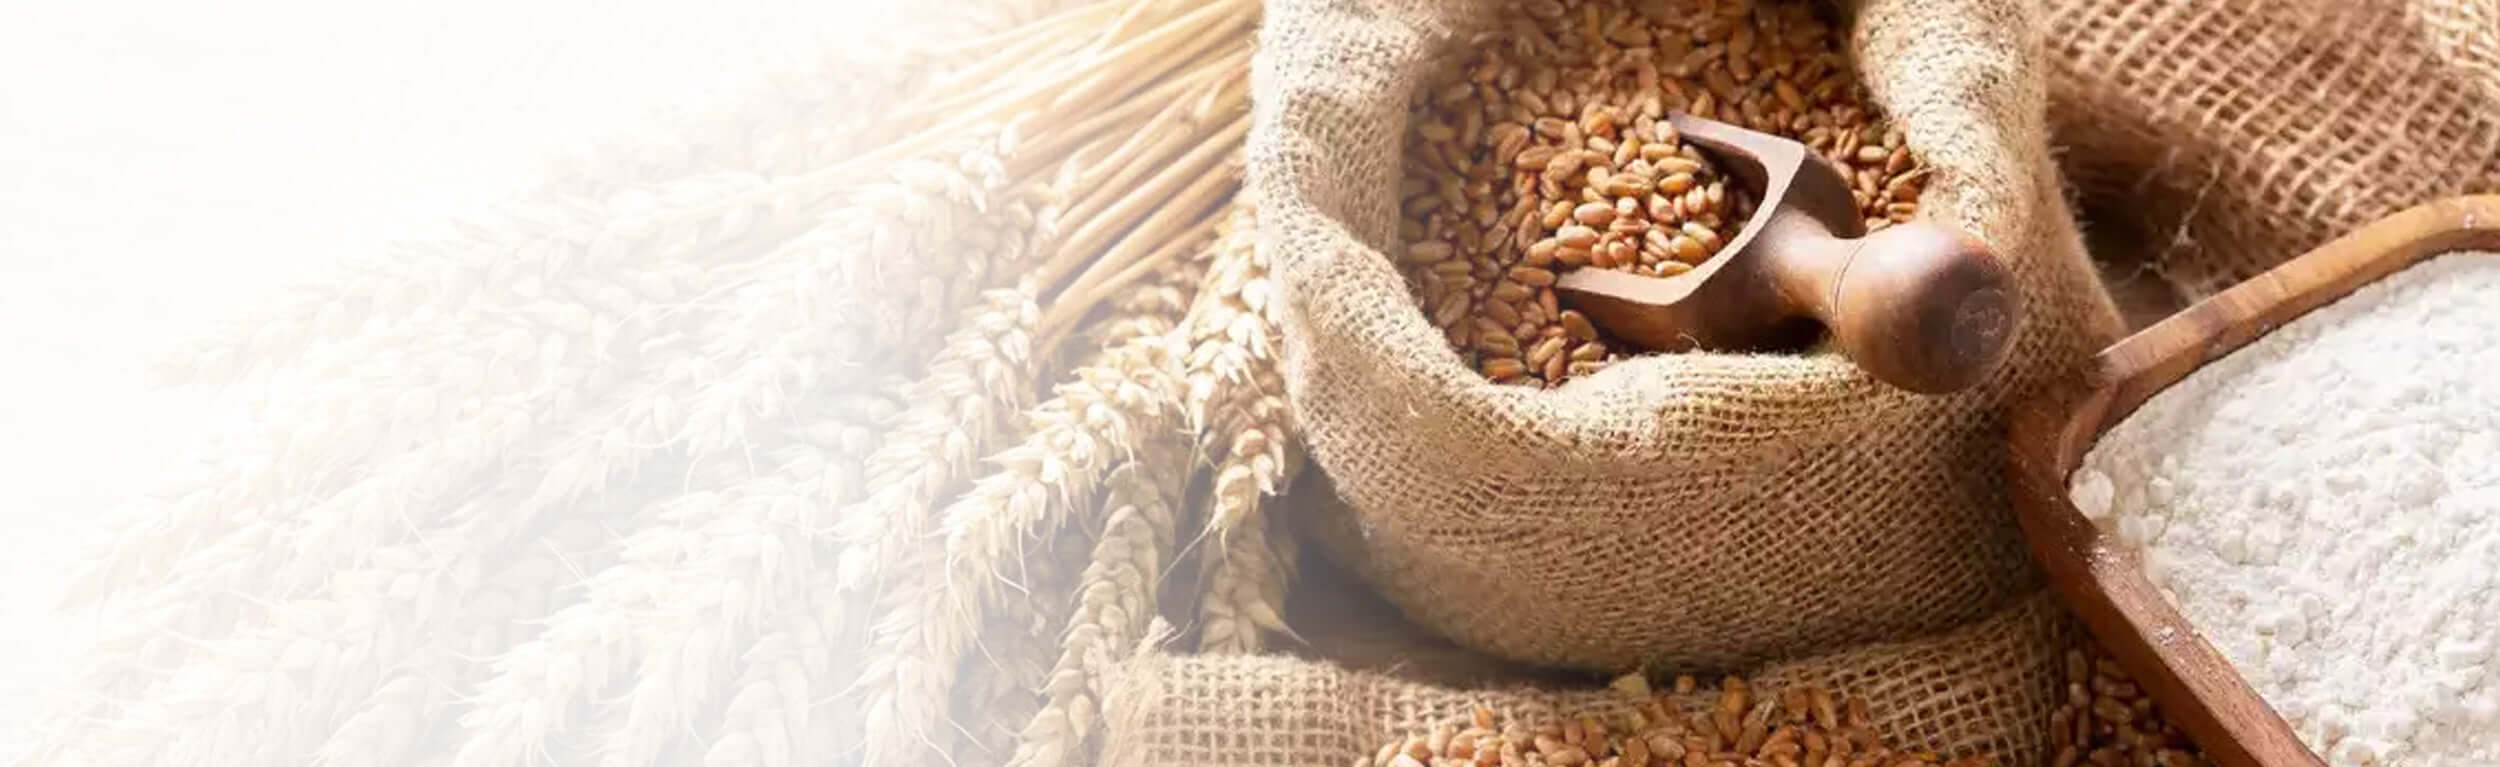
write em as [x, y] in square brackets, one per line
[2107, 719]
[866, 426]
[1799, 726]
[1545, 150]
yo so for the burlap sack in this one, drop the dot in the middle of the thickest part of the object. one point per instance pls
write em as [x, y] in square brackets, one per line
[1989, 687]
[1694, 510]
[2226, 136]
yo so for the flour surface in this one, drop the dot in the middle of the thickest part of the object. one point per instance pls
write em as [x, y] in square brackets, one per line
[2324, 506]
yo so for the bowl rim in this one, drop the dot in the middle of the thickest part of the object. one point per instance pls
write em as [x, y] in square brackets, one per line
[2048, 435]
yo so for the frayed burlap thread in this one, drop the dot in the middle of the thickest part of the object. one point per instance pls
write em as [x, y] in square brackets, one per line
[1984, 688]
[1689, 510]
[2228, 136]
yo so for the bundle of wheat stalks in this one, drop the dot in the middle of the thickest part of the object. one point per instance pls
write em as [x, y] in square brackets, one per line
[866, 430]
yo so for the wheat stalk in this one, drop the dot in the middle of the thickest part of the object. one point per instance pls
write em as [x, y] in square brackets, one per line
[721, 364]
[921, 464]
[525, 250]
[800, 121]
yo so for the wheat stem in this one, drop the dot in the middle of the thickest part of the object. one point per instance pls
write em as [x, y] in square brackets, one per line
[1190, 124]
[1197, 168]
[1151, 106]
[1050, 101]
[1094, 285]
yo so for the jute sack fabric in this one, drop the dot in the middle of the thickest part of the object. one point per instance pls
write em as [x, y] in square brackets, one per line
[1989, 687]
[2227, 136]
[1699, 511]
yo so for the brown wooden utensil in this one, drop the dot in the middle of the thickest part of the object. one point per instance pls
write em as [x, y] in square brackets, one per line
[1920, 305]
[2196, 687]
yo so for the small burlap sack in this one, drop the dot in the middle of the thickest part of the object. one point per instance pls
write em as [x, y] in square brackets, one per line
[1989, 687]
[2227, 136]
[1697, 511]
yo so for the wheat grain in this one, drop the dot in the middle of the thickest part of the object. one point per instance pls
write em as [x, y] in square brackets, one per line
[1246, 578]
[1546, 150]
[2106, 718]
[1734, 727]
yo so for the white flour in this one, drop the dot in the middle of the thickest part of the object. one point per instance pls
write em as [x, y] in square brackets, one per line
[2324, 505]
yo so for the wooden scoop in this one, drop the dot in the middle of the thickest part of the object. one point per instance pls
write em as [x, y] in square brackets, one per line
[1920, 305]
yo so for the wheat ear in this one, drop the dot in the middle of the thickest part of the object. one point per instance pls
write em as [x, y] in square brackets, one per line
[984, 374]
[1115, 598]
[1100, 417]
[1111, 408]
[550, 372]
[481, 521]
[755, 521]
[979, 379]
[1236, 407]
[1001, 681]
[767, 721]
[1153, 294]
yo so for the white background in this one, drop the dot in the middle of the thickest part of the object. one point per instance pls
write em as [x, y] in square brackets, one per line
[165, 165]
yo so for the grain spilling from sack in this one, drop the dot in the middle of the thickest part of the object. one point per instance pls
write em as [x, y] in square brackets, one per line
[1801, 726]
[1547, 151]
[2106, 719]
[2323, 506]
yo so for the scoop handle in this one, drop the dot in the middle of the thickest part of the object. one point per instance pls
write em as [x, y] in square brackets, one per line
[1920, 305]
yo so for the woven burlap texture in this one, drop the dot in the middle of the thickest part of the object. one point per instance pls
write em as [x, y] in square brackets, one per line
[2227, 136]
[1689, 510]
[1989, 687]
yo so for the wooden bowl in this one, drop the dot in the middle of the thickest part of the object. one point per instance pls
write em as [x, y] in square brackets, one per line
[2196, 688]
